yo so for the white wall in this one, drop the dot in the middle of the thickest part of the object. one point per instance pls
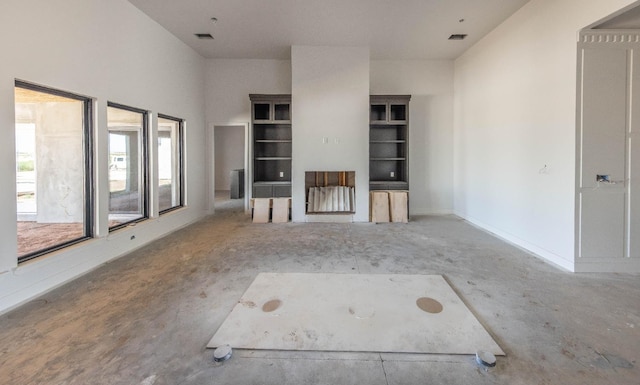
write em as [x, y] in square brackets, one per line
[330, 99]
[230, 81]
[229, 153]
[110, 51]
[430, 84]
[514, 126]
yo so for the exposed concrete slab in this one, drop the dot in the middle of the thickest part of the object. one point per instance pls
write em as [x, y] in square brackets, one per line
[146, 318]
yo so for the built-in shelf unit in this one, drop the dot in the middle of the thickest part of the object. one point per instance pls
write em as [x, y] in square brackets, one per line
[271, 130]
[389, 142]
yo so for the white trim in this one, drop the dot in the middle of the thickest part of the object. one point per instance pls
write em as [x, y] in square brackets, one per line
[610, 36]
[535, 250]
[429, 211]
[608, 265]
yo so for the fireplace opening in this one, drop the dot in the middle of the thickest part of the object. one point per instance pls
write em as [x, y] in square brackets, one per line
[330, 192]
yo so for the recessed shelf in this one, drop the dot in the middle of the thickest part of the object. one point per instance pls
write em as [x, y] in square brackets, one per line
[261, 111]
[274, 158]
[394, 159]
[378, 112]
[281, 111]
[388, 141]
[272, 182]
[397, 112]
[273, 141]
[388, 182]
[271, 108]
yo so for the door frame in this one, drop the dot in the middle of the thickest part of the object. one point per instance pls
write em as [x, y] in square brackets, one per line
[211, 157]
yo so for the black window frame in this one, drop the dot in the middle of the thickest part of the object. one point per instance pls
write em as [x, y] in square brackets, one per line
[180, 146]
[88, 155]
[144, 138]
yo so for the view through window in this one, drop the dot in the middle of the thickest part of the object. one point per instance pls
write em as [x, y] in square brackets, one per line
[127, 165]
[53, 164]
[169, 163]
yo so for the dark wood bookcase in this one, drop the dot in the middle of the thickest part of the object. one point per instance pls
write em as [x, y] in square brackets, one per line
[271, 125]
[389, 142]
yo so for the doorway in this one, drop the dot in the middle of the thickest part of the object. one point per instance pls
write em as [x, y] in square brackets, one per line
[230, 168]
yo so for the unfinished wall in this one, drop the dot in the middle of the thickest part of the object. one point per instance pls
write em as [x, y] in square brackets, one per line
[57, 134]
[110, 51]
[514, 126]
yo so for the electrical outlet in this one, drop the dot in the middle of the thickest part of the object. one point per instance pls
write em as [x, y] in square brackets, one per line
[281, 174]
[392, 174]
[325, 140]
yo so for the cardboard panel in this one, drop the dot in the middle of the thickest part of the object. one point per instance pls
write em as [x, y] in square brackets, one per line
[280, 210]
[261, 210]
[379, 206]
[399, 210]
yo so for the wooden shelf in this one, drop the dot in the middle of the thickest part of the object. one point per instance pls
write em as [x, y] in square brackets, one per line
[272, 182]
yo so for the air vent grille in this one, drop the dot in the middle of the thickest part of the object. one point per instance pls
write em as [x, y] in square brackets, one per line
[458, 36]
[204, 36]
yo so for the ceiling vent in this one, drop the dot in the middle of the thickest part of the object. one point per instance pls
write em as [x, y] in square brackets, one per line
[204, 36]
[457, 37]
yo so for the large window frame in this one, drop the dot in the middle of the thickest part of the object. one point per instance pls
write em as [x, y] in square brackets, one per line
[180, 162]
[88, 158]
[144, 167]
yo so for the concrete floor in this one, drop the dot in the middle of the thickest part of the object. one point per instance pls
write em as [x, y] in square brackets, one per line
[146, 318]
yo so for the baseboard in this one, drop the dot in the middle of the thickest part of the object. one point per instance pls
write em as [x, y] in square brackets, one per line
[608, 265]
[531, 248]
[429, 211]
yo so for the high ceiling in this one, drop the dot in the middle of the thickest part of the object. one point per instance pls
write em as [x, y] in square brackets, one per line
[392, 29]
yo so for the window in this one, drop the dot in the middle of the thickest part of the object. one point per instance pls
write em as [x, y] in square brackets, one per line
[53, 169]
[170, 177]
[127, 165]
